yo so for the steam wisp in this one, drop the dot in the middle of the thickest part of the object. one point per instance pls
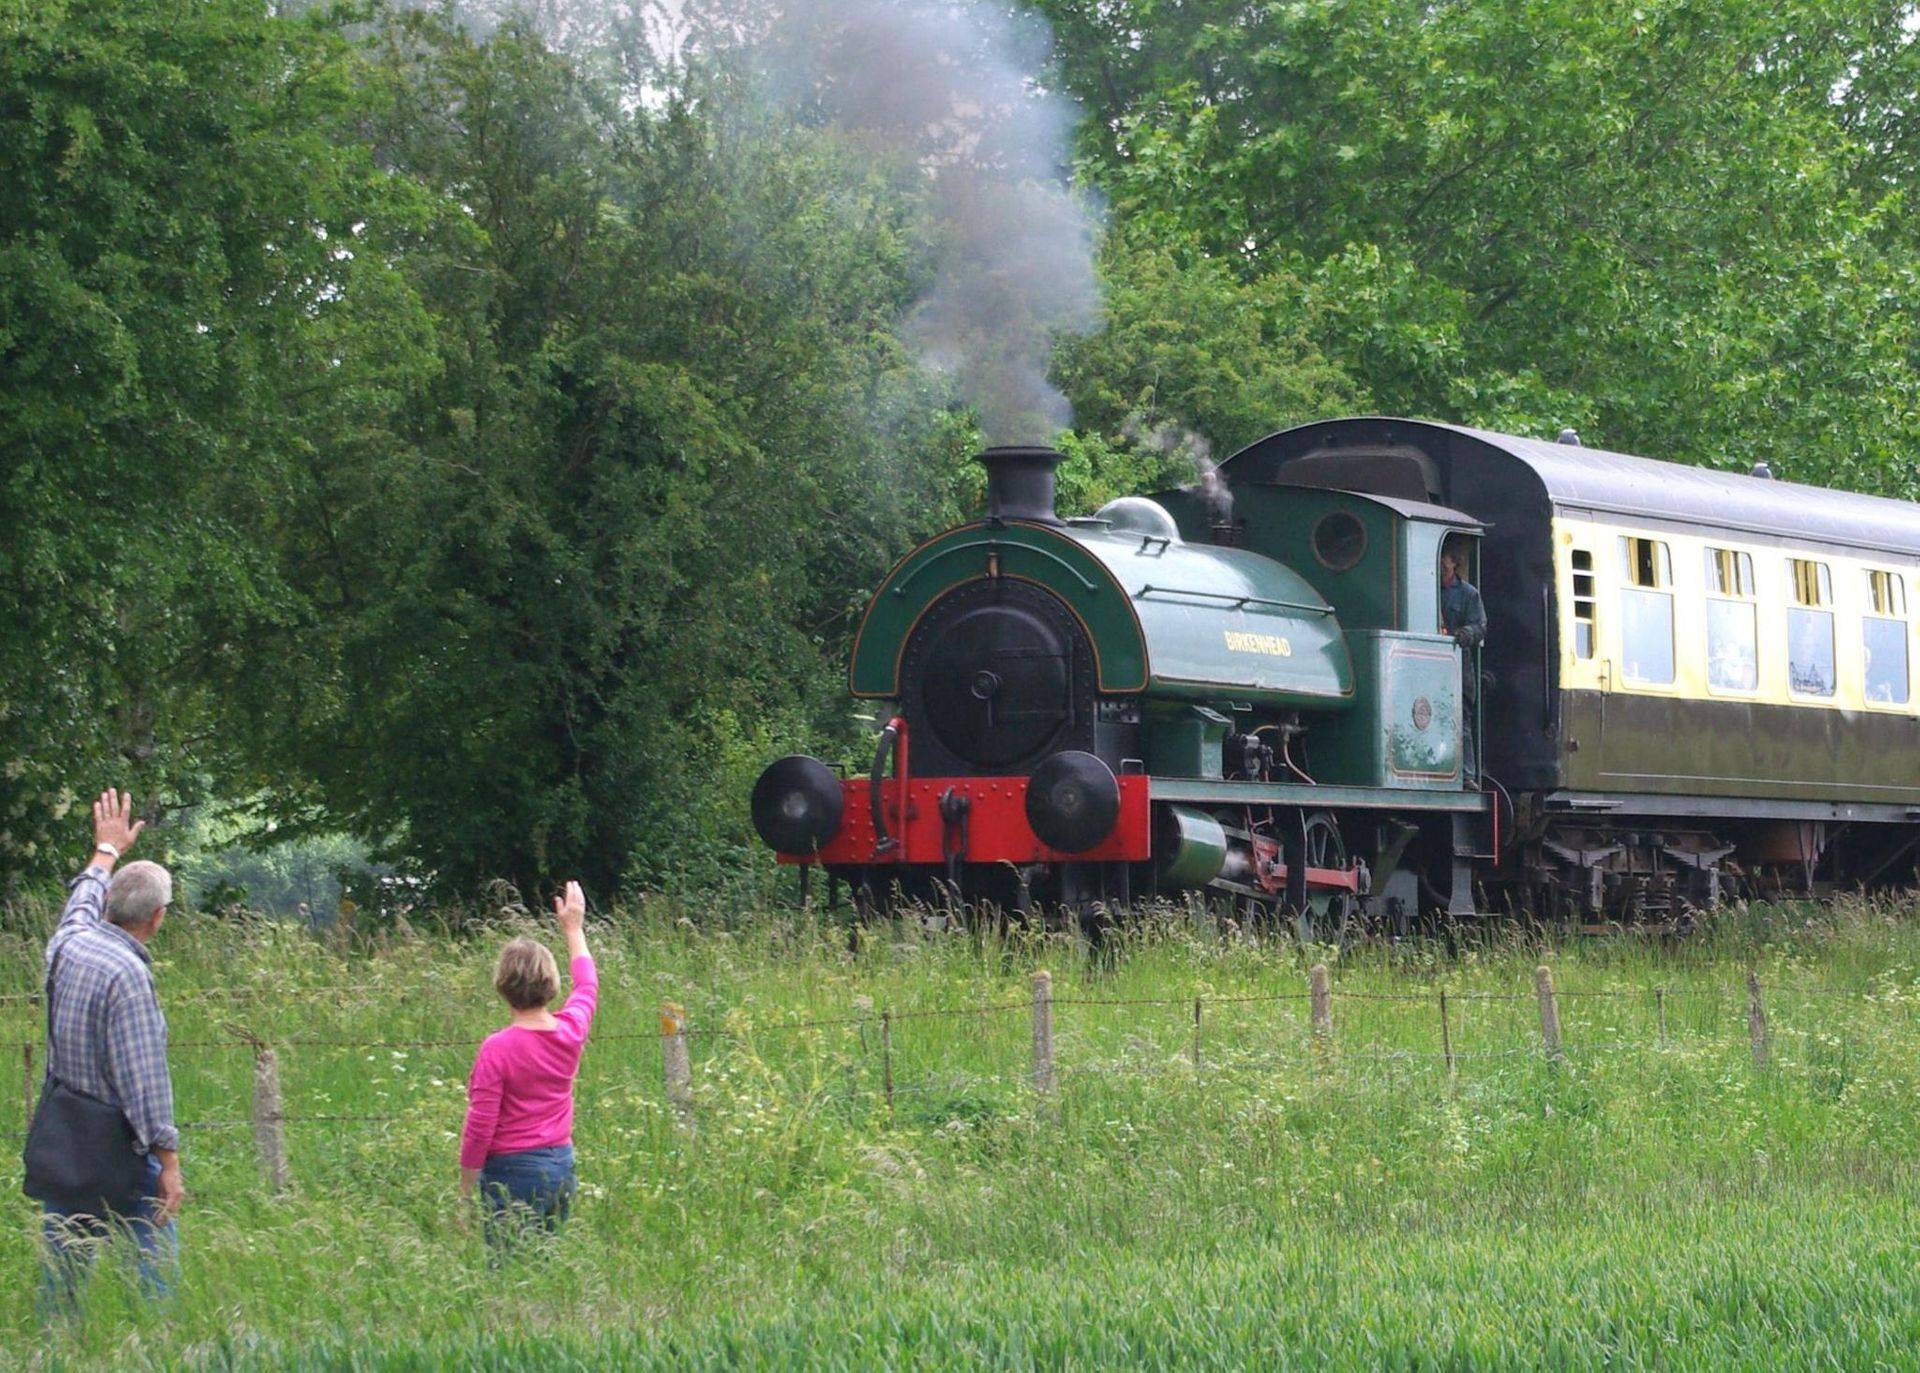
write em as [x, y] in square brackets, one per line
[1181, 443]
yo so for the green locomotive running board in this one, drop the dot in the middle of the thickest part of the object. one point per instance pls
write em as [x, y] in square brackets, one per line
[1204, 791]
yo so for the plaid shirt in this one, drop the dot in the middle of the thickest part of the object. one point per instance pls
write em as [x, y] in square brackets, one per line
[109, 1037]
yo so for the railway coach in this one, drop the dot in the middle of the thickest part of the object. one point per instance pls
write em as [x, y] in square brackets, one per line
[1695, 684]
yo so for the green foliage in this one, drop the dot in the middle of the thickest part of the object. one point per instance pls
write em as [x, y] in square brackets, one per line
[227, 863]
[637, 507]
[1678, 226]
[1191, 347]
[482, 460]
[1639, 1205]
[195, 288]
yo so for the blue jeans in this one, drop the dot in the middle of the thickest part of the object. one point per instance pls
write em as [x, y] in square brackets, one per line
[74, 1240]
[531, 1190]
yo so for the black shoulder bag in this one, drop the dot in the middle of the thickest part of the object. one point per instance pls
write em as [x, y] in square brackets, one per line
[80, 1155]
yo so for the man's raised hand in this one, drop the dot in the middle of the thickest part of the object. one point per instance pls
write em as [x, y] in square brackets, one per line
[113, 821]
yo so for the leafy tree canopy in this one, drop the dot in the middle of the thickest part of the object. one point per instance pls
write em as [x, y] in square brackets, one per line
[197, 295]
[1682, 227]
[671, 440]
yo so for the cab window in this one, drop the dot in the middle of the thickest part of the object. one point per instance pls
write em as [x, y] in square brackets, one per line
[1884, 639]
[1810, 661]
[1646, 611]
[1733, 629]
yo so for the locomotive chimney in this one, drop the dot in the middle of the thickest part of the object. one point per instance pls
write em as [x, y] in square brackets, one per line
[1020, 483]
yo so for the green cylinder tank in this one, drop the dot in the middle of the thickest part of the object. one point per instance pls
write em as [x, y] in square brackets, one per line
[1190, 844]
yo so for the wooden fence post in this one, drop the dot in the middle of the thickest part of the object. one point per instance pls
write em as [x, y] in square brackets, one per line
[679, 1069]
[1446, 1037]
[1196, 1034]
[1756, 1020]
[1549, 1010]
[1043, 1076]
[886, 1056]
[1320, 998]
[269, 1118]
[1660, 1011]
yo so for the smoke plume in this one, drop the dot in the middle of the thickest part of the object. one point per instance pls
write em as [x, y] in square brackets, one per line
[951, 86]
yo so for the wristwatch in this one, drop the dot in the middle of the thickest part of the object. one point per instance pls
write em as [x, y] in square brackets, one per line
[110, 850]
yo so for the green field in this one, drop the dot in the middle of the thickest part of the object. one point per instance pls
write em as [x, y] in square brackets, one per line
[1642, 1203]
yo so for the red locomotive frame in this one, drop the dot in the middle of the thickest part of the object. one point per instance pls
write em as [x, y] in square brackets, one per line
[993, 828]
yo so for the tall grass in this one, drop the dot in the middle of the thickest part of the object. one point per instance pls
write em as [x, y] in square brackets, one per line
[1634, 1205]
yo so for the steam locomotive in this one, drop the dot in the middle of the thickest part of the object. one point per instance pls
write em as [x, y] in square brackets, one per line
[1695, 685]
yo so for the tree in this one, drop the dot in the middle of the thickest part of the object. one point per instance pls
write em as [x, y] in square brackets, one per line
[1193, 355]
[193, 292]
[1679, 226]
[609, 567]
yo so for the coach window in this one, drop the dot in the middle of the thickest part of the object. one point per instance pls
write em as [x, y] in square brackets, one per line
[1585, 603]
[1733, 639]
[1646, 612]
[1884, 630]
[1810, 629]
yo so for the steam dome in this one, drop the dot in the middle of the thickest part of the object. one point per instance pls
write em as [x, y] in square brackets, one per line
[1138, 515]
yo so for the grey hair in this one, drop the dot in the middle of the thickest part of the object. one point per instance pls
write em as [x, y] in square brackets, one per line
[136, 892]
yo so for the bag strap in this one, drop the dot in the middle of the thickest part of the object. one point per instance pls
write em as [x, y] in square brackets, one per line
[53, 966]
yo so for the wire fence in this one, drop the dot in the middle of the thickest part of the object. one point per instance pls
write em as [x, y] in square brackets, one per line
[342, 993]
[1204, 1036]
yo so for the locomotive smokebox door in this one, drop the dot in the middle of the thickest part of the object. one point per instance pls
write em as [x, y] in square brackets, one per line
[998, 673]
[998, 676]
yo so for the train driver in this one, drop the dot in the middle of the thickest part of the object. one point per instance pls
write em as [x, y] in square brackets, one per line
[1464, 616]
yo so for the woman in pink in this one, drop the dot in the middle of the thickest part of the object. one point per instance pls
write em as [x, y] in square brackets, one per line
[518, 1141]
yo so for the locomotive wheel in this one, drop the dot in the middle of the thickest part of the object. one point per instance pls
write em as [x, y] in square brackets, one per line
[1329, 917]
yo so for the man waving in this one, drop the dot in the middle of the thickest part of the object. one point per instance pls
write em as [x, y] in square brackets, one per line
[107, 1041]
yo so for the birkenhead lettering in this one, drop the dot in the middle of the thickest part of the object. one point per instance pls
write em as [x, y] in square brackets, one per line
[1273, 645]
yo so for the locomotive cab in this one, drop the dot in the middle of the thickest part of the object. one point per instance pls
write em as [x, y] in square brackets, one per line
[1376, 560]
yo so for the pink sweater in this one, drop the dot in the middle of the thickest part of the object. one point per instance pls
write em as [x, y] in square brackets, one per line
[521, 1093]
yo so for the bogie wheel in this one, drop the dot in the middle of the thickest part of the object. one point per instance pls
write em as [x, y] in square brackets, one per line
[1329, 917]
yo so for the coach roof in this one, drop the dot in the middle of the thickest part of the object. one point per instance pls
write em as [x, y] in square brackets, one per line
[1574, 477]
